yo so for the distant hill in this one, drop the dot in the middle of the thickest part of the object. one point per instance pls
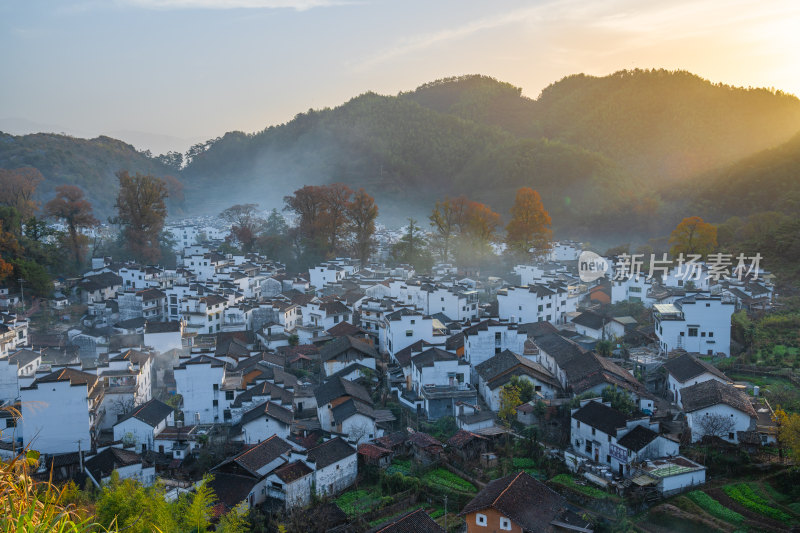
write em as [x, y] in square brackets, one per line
[618, 153]
[655, 123]
[88, 163]
[766, 181]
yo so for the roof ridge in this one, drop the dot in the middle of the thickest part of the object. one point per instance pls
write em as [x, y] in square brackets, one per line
[507, 487]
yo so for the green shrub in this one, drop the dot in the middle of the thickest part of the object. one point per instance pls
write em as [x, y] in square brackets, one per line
[744, 495]
[444, 478]
[568, 481]
[714, 508]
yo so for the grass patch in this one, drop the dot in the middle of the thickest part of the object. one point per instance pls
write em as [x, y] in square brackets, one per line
[402, 466]
[745, 496]
[448, 480]
[357, 502]
[568, 481]
[714, 508]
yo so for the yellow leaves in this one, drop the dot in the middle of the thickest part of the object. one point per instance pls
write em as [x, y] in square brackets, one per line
[789, 431]
[693, 236]
[530, 223]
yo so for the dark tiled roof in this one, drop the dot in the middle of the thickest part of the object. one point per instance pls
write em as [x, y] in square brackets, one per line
[535, 330]
[416, 521]
[329, 452]
[432, 355]
[529, 503]
[404, 356]
[338, 387]
[292, 471]
[105, 462]
[373, 451]
[423, 440]
[266, 409]
[134, 356]
[597, 415]
[162, 327]
[344, 328]
[23, 357]
[262, 454]
[712, 392]
[230, 488]
[348, 408]
[75, 377]
[559, 348]
[151, 413]
[263, 389]
[462, 437]
[637, 438]
[498, 369]
[338, 346]
[687, 366]
[590, 320]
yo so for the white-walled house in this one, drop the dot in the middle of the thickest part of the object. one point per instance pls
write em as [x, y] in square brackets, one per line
[262, 421]
[128, 464]
[342, 352]
[140, 427]
[19, 364]
[496, 372]
[697, 323]
[601, 434]
[717, 409]
[405, 327]
[199, 381]
[335, 464]
[536, 303]
[489, 338]
[60, 411]
[686, 370]
[163, 336]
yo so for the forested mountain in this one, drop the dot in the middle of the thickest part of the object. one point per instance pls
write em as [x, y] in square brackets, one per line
[656, 123]
[604, 152]
[89, 163]
[766, 181]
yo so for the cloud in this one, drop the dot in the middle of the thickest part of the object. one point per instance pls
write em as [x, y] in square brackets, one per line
[298, 5]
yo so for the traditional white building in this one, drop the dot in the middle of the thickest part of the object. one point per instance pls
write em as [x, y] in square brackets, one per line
[717, 409]
[61, 411]
[140, 426]
[686, 370]
[698, 323]
[490, 337]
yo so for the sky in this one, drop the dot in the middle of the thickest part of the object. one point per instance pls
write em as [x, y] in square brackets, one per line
[165, 74]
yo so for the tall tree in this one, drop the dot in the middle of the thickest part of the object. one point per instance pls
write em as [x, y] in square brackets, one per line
[412, 248]
[447, 220]
[693, 236]
[529, 227]
[336, 199]
[362, 213]
[309, 205]
[141, 213]
[70, 206]
[17, 190]
[244, 224]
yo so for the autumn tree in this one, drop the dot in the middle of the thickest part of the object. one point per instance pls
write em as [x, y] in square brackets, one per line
[245, 224]
[328, 216]
[141, 213]
[529, 228]
[17, 190]
[362, 213]
[75, 211]
[789, 431]
[447, 220]
[693, 236]
[509, 401]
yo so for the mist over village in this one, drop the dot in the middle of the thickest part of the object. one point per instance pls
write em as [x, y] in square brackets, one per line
[320, 266]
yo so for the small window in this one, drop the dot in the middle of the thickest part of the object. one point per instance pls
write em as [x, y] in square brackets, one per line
[505, 524]
[229, 395]
[215, 403]
[730, 436]
[578, 422]
[710, 333]
[608, 458]
[409, 333]
[215, 386]
[593, 431]
[480, 519]
[693, 332]
[702, 333]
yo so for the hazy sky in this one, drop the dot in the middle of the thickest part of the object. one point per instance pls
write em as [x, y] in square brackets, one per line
[163, 74]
